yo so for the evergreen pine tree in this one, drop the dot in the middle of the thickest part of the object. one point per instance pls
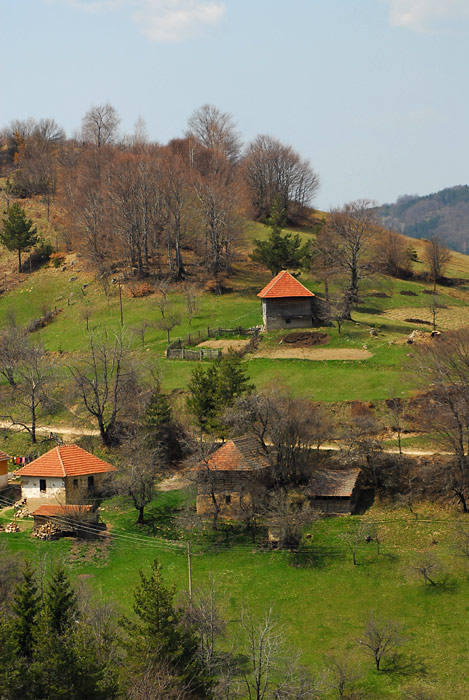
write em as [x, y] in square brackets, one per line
[25, 609]
[66, 664]
[158, 635]
[280, 252]
[18, 233]
[202, 397]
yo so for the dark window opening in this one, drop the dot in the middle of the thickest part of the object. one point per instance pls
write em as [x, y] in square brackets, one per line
[90, 483]
[42, 485]
[287, 320]
[75, 483]
[228, 499]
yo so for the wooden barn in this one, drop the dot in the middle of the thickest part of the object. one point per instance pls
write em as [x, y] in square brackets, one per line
[334, 491]
[4, 470]
[232, 476]
[67, 474]
[286, 303]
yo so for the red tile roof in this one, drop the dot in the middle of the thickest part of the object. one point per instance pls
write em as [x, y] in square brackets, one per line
[333, 482]
[49, 511]
[4, 456]
[284, 285]
[239, 454]
[66, 460]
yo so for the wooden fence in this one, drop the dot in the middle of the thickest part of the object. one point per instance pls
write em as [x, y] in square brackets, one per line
[180, 348]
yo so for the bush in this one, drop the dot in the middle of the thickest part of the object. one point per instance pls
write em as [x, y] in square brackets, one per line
[142, 289]
[57, 259]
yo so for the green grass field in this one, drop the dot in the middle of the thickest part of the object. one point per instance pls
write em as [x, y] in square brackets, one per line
[320, 598]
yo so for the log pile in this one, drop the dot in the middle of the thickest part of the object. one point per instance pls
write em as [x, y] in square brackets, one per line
[12, 527]
[47, 531]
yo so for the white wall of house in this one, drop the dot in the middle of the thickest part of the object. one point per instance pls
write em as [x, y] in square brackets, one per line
[3, 481]
[54, 493]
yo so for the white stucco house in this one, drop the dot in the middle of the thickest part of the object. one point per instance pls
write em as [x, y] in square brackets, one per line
[66, 474]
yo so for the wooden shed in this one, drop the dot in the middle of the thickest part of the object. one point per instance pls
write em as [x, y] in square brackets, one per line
[334, 491]
[231, 476]
[286, 303]
[76, 520]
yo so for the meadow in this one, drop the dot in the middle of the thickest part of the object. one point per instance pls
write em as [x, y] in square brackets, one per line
[319, 597]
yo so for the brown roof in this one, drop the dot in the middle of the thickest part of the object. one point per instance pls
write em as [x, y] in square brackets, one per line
[284, 285]
[4, 456]
[239, 454]
[60, 510]
[66, 460]
[333, 482]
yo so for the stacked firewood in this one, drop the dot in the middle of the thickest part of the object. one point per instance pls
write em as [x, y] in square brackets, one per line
[12, 527]
[47, 531]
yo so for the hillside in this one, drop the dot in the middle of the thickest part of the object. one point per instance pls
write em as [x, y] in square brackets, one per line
[443, 214]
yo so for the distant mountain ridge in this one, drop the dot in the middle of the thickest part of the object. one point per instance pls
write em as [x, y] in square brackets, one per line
[443, 214]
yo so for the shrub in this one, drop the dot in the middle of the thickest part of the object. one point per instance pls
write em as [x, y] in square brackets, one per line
[57, 259]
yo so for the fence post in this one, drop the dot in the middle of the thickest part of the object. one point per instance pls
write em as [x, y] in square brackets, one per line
[189, 339]
[201, 355]
[183, 354]
[208, 331]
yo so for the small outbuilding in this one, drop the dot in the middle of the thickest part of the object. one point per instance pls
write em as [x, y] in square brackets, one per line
[232, 476]
[67, 474]
[286, 303]
[59, 521]
[4, 470]
[334, 491]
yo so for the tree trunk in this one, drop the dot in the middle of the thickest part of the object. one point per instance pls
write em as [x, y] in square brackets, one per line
[140, 519]
[19, 260]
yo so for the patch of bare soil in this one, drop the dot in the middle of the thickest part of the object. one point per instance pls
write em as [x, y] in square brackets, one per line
[172, 483]
[450, 318]
[223, 345]
[283, 353]
[306, 339]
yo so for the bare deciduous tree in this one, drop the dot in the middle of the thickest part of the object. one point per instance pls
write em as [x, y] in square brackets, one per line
[168, 323]
[381, 640]
[99, 125]
[428, 567]
[32, 390]
[215, 130]
[343, 676]
[437, 258]
[106, 382]
[192, 304]
[444, 366]
[275, 171]
[352, 234]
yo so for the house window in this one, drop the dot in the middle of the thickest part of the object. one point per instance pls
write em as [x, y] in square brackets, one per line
[75, 483]
[287, 320]
[90, 483]
[228, 499]
[42, 485]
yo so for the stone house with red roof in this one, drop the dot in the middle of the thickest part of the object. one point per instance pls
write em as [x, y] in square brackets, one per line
[231, 478]
[4, 470]
[286, 303]
[67, 474]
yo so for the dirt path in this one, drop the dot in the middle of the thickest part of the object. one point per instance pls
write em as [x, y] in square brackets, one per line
[285, 353]
[47, 429]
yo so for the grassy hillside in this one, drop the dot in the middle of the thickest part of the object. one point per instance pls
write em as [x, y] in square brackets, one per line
[327, 380]
[321, 599]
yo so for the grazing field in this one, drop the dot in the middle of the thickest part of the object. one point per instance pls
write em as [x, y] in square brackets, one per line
[321, 599]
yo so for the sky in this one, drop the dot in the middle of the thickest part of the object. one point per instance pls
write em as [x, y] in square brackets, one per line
[372, 92]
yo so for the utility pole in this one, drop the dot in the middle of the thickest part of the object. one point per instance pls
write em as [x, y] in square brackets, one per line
[120, 302]
[189, 571]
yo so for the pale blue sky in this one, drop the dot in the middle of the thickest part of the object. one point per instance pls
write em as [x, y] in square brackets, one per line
[373, 92]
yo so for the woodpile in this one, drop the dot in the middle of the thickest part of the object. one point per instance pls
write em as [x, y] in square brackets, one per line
[12, 527]
[22, 512]
[47, 531]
